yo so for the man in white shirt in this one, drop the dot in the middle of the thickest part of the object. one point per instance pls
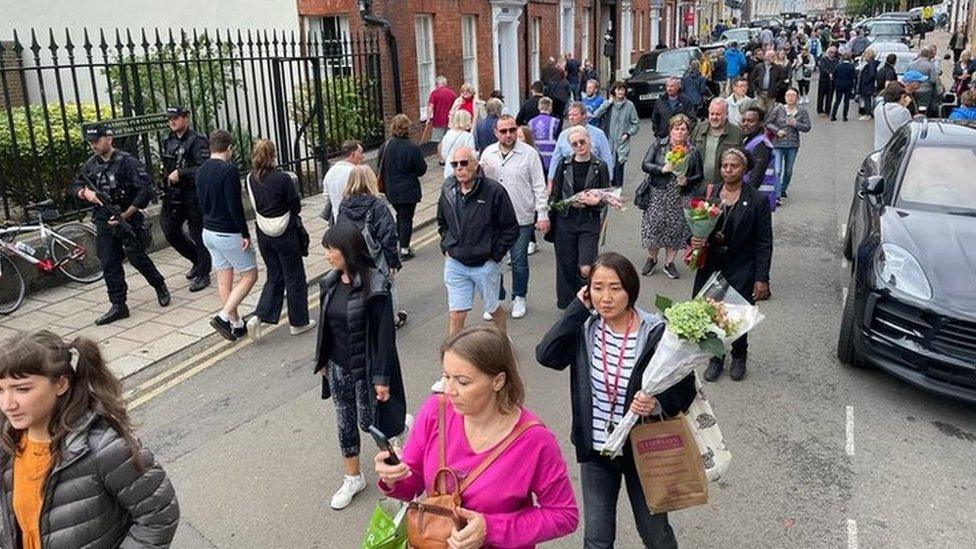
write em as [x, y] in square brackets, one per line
[518, 168]
[738, 101]
[334, 182]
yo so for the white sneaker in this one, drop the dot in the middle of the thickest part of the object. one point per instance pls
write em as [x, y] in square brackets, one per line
[350, 487]
[518, 307]
[299, 330]
[533, 248]
[487, 317]
[438, 386]
[255, 328]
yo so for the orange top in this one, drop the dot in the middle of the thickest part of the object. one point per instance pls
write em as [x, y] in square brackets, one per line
[31, 466]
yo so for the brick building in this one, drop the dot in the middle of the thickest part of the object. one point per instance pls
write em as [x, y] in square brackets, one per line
[499, 44]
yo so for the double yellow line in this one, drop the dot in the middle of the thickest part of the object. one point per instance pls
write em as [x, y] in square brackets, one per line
[164, 381]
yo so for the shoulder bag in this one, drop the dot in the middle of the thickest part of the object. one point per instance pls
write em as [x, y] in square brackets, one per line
[430, 520]
[271, 226]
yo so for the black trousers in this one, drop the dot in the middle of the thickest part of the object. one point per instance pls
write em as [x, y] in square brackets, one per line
[825, 94]
[286, 277]
[404, 221]
[184, 207]
[353, 397]
[842, 96]
[113, 248]
[576, 243]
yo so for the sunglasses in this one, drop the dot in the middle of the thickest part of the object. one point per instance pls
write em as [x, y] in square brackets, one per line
[579, 143]
[507, 130]
[461, 163]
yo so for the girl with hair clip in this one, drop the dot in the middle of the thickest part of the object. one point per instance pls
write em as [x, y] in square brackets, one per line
[73, 472]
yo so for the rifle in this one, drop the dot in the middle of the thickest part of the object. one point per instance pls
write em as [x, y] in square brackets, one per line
[124, 227]
[171, 162]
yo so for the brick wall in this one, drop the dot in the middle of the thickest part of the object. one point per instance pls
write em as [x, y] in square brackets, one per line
[13, 82]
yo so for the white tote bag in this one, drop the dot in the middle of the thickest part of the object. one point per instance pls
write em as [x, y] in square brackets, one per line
[701, 419]
[271, 226]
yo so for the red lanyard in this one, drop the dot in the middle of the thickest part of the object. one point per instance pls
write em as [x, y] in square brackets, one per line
[614, 391]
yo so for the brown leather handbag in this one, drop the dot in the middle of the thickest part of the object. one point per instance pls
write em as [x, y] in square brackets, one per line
[431, 519]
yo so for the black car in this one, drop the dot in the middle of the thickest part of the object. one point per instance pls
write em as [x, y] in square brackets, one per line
[911, 240]
[652, 70]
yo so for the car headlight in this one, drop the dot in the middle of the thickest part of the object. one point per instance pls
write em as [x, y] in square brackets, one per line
[896, 269]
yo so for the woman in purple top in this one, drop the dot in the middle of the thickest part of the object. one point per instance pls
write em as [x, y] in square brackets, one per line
[524, 497]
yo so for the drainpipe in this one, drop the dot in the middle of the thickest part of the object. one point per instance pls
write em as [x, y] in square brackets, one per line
[372, 20]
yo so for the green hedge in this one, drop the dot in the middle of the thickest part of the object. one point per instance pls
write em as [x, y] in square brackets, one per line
[348, 111]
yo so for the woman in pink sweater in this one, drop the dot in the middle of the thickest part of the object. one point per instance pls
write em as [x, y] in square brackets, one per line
[524, 497]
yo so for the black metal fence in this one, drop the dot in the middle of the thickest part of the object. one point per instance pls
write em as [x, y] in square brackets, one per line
[307, 93]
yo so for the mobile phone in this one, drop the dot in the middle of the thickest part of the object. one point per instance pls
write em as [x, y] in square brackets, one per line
[384, 444]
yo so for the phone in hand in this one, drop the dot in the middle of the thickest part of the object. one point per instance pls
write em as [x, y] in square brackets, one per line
[384, 444]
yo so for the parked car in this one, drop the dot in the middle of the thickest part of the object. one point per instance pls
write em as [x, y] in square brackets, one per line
[652, 70]
[772, 22]
[740, 35]
[911, 308]
[887, 30]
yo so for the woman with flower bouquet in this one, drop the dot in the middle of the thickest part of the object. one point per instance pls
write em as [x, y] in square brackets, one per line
[606, 342]
[674, 168]
[575, 205]
[740, 246]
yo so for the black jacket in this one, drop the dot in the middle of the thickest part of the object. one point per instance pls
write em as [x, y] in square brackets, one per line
[662, 113]
[746, 256]
[381, 224]
[370, 319]
[401, 166]
[826, 65]
[96, 498]
[122, 177]
[762, 155]
[597, 177]
[845, 77]
[478, 226]
[866, 78]
[778, 76]
[185, 154]
[528, 111]
[886, 73]
[568, 344]
[654, 161]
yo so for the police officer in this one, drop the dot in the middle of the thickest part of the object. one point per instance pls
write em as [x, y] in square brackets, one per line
[123, 189]
[183, 152]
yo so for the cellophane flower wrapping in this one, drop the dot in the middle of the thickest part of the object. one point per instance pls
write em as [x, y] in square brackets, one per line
[701, 218]
[608, 197]
[676, 357]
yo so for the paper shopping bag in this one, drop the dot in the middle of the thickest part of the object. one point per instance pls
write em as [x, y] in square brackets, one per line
[669, 465]
[387, 529]
[701, 419]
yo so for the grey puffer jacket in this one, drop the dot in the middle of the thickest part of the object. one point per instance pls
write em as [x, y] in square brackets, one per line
[95, 498]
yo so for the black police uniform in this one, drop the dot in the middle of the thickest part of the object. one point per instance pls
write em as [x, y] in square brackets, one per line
[125, 180]
[180, 203]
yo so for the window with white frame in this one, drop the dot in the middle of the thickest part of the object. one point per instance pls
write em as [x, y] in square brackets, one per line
[424, 32]
[469, 49]
[534, 59]
[566, 23]
[640, 31]
[331, 32]
[585, 38]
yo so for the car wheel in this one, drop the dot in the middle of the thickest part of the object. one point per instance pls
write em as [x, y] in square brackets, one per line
[846, 351]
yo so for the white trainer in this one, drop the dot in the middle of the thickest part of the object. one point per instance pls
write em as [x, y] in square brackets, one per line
[299, 330]
[255, 328]
[518, 307]
[350, 487]
[533, 248]
[487, 317]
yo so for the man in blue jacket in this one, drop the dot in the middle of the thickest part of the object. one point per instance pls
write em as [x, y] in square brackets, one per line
[844, 79]
[735, 62]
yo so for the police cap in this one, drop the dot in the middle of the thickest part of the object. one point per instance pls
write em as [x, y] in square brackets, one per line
[97, 131]
[176, 111]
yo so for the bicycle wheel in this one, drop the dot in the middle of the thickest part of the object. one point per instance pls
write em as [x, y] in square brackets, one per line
[74, 243]
[12, 286]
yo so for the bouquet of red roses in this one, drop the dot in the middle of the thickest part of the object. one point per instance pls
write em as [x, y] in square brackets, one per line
[701, 217]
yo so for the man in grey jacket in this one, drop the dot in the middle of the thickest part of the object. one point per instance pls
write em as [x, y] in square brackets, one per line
[623, 124]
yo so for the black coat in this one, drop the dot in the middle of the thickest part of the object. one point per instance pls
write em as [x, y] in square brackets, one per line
[761, 157]
[477, 226]
[845, 77]
[401, 166]
[654, 161]
[528, 111]
[662, 113]
[566, 345]
[778, 78]
[746, 256]
[885, 74]
[381, 224]
[382, 360]
[866, 78]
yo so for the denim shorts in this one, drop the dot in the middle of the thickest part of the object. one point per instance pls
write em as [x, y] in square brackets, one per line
[226, 253]
[462, 282]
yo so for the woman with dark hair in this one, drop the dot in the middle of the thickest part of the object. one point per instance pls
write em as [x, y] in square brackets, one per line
[277, 205]
[356, 352]
[663, 224]
[515, 490]
[740, 247]
[74, 473]
[886, 74]
[607, 341]
[891, 114]
[401, 165]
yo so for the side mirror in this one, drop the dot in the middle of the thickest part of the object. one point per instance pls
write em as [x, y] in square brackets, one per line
[874, 185]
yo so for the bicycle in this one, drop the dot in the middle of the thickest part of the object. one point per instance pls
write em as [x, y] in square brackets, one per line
[70, 250]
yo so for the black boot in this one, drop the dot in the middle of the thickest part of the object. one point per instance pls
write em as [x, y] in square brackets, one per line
[738, 369]
[162, 296]
[199, 283]
[117, 312]
[715, 367]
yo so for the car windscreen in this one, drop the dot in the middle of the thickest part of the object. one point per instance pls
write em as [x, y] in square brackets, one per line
[887, 29]
[671, 63]
[940, 179]
[740, 35]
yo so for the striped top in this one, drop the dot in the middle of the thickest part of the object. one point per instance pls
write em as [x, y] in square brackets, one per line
[601, 400]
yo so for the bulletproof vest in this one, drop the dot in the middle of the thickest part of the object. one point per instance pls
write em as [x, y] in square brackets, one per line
[175, 150]
[104, 176]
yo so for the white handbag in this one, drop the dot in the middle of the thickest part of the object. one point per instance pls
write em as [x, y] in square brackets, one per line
[271, 226]
[701, 419]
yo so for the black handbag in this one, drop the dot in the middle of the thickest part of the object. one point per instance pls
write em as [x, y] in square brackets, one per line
[642, 194]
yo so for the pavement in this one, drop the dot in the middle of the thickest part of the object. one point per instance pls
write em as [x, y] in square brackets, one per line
[154, 334]
[823, 455]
